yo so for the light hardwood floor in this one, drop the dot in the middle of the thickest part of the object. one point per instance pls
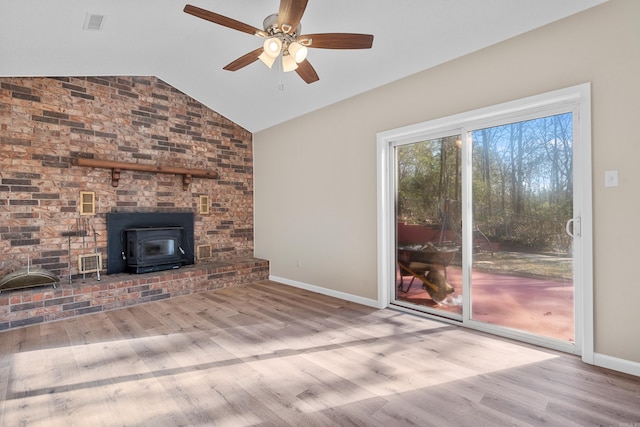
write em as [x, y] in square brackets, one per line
[266, 354]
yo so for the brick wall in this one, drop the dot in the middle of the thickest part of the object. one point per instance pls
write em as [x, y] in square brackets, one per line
[46, 123]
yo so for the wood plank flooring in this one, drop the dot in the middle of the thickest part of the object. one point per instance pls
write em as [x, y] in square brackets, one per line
[267, 354]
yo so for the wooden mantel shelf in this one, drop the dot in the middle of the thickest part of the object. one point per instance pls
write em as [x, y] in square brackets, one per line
[116, 167]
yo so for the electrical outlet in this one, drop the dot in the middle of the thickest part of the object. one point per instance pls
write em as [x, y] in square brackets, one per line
[299, 263]
[611, 178]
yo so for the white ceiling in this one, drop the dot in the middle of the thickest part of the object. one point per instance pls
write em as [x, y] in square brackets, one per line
[156, 38]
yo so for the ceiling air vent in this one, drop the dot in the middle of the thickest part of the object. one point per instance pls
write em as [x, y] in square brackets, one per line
[93, 22]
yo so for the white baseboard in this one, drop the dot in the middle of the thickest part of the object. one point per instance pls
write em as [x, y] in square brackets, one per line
[620, 365]
[324, 291]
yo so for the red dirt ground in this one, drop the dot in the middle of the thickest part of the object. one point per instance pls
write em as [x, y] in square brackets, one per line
[535, 305]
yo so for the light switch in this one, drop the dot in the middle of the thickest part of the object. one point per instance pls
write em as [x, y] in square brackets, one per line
[611, 178]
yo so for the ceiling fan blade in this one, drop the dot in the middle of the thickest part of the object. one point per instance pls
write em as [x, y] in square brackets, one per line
[338, 41]
[306, 72]
[222, 20]
[244, 60]
[290, 14]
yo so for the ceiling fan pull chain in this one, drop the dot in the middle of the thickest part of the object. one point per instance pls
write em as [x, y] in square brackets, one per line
[280, 77]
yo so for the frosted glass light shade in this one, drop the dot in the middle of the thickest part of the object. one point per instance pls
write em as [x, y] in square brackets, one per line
[272, 47]
[267, 59]
[288, 63]
[298, 52]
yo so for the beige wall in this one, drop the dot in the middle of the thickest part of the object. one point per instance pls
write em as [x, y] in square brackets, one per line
[315, 183]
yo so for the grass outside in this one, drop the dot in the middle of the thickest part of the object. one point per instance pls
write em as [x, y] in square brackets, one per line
[556, 266]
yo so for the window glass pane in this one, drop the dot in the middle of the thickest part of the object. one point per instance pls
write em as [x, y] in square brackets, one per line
[522, 198]
[429, 235]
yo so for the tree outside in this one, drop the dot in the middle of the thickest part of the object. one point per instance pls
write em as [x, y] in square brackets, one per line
[521, 184]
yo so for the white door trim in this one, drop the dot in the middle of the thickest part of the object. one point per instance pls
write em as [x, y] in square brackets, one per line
[579, 98]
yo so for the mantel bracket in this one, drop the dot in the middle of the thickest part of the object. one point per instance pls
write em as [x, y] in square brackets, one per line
[115, 176]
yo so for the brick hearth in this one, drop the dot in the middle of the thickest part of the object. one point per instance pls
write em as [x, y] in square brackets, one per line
[24, 307]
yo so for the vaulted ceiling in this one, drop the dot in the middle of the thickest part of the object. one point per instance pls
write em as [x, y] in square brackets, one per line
[156, 38]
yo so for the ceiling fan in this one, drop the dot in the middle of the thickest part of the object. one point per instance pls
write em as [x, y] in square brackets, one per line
[283, 39]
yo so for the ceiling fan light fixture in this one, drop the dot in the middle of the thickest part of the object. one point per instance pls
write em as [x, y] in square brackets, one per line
[282, 34]
[288, 63]
[267, 59]
[272, 47]
[298, 52]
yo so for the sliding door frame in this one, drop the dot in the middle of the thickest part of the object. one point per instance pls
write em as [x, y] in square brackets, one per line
[576, 99]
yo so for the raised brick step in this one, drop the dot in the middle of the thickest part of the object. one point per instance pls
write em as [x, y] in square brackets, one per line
[24, 307]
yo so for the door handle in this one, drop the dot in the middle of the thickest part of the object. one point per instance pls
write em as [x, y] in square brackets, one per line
[573, 227]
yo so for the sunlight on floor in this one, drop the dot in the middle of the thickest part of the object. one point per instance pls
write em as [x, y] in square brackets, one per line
[224, 370]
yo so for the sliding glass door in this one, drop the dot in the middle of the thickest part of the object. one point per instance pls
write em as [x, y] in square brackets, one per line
[429, 234]
[522, 199]
[487, 218]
